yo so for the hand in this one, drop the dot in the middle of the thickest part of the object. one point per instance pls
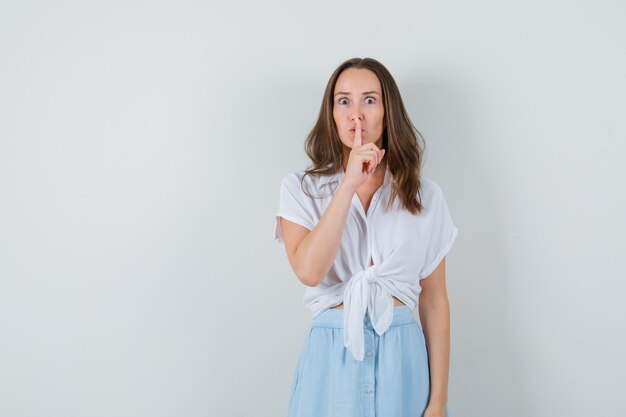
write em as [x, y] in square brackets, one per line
[363, 159]
[435, 411]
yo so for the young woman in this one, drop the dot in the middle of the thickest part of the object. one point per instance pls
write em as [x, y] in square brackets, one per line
[368, 235]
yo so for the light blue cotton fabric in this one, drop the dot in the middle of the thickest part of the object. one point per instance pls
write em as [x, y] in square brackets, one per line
[391, 381]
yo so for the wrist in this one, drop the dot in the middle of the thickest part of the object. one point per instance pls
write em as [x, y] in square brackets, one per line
[346, 187]
[437, 402]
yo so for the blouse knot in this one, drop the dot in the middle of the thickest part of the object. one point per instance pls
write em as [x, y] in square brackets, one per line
[371, 274]
[366, 292]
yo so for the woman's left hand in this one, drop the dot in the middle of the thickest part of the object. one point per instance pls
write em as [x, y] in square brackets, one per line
[435, 411]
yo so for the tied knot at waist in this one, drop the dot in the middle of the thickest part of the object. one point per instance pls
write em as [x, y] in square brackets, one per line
[370, 274]
[365, 292]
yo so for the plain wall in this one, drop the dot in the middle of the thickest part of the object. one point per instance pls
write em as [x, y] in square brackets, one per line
[141, 150]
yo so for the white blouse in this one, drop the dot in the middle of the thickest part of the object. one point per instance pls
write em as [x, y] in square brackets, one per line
[404, 247]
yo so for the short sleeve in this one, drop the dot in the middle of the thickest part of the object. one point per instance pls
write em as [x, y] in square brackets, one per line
[294, 205]
[443, 232]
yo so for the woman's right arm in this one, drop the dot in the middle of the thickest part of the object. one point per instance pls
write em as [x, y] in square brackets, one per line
[311, 253]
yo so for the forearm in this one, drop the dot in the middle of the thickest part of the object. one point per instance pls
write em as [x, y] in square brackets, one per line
[318, 250]
[435, 319]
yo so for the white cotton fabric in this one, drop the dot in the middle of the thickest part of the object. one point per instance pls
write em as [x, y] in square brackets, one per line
[405, 248]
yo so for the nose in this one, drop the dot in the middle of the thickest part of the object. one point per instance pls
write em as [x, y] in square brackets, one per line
[355, 116]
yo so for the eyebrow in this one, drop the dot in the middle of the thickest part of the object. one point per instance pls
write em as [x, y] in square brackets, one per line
[347, 94]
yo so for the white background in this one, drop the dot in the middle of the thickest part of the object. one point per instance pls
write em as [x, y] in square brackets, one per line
[141, 149]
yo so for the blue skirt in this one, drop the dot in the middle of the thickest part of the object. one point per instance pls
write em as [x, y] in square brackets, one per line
[391, 381]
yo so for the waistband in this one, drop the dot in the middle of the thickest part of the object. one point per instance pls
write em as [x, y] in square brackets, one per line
[333, 318]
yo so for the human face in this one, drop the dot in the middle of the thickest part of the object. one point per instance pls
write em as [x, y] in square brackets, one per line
[358, 94]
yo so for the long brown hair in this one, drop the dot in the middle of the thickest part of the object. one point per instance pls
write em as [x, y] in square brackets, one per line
[403, 142]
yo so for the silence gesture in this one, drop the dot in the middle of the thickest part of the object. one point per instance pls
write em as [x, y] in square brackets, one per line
[363, 159]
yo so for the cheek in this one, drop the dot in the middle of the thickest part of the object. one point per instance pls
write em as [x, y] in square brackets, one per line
[337, 124]
[379, 119]
[339, 118]
[336, 117]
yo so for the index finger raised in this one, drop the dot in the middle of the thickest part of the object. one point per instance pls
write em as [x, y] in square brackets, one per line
[357, 133]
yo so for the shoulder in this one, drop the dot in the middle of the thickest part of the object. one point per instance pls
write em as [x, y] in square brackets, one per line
[298, 182]
[429, 188]
[292, 180]
[431, 194]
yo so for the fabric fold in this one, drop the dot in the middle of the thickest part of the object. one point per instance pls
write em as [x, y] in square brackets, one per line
[365, 294]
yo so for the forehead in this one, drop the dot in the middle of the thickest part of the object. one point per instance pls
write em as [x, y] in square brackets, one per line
[357, 80]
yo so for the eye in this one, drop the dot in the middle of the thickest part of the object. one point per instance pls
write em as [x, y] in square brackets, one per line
[370, 98]
[342, 99]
